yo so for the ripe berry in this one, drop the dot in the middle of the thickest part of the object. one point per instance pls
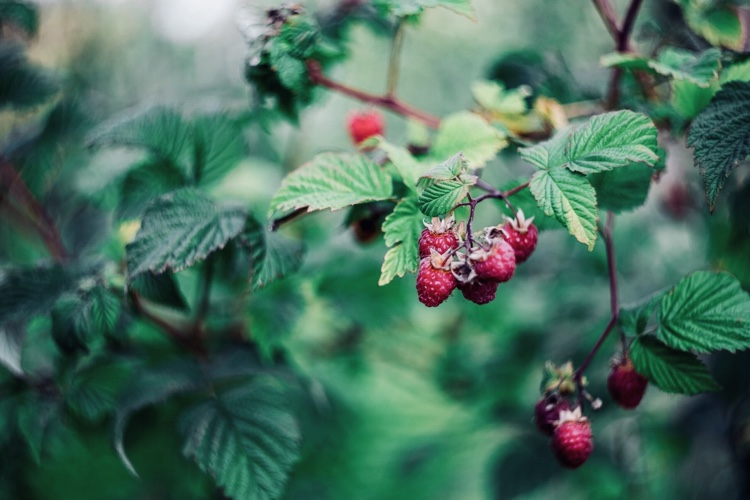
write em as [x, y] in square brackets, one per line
[496, 264]
[626, 386]
[572, 442]
[522, 235]
[364, 124]
[435, 282]
[547, 412]
[479, 291]
[439, 235]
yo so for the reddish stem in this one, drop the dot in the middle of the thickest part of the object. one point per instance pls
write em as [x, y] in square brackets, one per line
[390, 102]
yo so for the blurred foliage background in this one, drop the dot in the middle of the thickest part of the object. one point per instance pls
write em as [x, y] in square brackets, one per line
[395, 400]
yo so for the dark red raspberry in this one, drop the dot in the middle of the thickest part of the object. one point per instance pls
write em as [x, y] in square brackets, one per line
[479, 291]
[626, 386]
[572, 441]
[434, 283]
[364, 124]
[496, 264]
[547, 412]
[522, 235]
[438, 235]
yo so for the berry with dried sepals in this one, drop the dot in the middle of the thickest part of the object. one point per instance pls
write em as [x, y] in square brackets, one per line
[496, 264]
[626, 386]
[435, 281]
[439, 235]
[364, 124]
[522, 235]
[572, 441]
[547, 412]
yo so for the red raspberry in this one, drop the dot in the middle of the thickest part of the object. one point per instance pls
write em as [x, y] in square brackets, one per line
[496, 264]
[479, 291]
[522, 235]
[547, 412]
[572, 441]
[364, 124]
[626, 386]
[434, 282]
[439, 235]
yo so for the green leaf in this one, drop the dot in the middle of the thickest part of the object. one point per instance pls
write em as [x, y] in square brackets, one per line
[90, 395]
[34, 418]
[401, 229]
[247, 438]
[570, 199]
[179, 229]
[408, 167]
[148, 387]
[721, 136]
[634, 319]
[448, 170]
[549, 153]
[160, 130]
[670, 370]
[26, 292]
[699, 69]
[623, 189]
[105, 310]
[219, 147]
[21, 14]
[493, 96]
[71, 325]
[442, 197]
[145, 183]
[300, 34]
[718, 24]
[524, 200]
[706, 312]
[22, 84]
[272, 256]
[612, 140]
[737, 72]
[469, 134]
[402, 8]
[688, 99]
[161, 289]
[291, 71]
[332, 181]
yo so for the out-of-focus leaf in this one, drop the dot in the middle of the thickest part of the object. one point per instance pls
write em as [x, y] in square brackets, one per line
[717, 23]
[26, 292]
[402, 229]
[403, 8]
[22, 84]
[161, 289]
[219, 146]
[21, 14]
[699, 69]
[144, 184]
[34, 418]
[470, 134]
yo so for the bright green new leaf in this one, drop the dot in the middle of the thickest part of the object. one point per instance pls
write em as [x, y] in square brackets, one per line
[247, 438]
[469, 134]
[706, 312]
[699, 69]
[670, 370]
[570, 198]
[401, 231]
[493, 96]
[332, 181]
[721, 136]
[549, 153]
[688, 99]
[448, 170]
[442, 197]
[179, 229]
[718, 24]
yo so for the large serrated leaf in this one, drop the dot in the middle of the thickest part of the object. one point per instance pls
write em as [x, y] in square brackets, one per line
[247, 438]
[445, 171]
[706, 312]
[332, 181]
[678, 64]
[469, 134]
[721, 136]
[570, 199]
[401, 233]
[442, 197]
[670, 370]
[179, 229]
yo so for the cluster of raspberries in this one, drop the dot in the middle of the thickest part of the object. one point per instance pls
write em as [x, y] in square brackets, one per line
[485, 261]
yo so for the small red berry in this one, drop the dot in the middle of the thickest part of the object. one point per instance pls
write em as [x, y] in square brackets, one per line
[496, 264]
[522, 235]
[364, 124]
[439, 235]
[435, 282]
[479, 291]
[547, 412]
[626, 386]
[572, 441]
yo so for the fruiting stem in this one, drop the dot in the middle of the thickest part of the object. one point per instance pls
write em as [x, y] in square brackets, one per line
[390, 102]
[614, 303]
[394, 59]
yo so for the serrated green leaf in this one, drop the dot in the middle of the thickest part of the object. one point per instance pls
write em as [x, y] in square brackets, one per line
[161, 289]
[402, 8]
[442, 197]
[273, 256]
[448, 170]
[634, 319]
[493, 96]
[706, 312]
[524, 200]
[219, 147]
[148, 387]
[570, 198]
[721, 136]
[548, 153]
[469, 134]
[105, 310]
[21, 14]
[401, 229]
[699, 69]
[23, 84]
[145, 183]
[670, 370]
[247, 438]
[718, 24]
[332, 181]
[689, 99]
[622, 189]
[300, 35]
[409, 168]
[291, 71]
[179, 229]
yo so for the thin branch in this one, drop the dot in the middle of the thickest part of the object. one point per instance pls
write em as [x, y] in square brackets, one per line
[394, 59]
[607, 13]
[623, 40]
[315, 72]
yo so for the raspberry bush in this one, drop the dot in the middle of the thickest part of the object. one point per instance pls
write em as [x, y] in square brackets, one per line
[199, 300]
